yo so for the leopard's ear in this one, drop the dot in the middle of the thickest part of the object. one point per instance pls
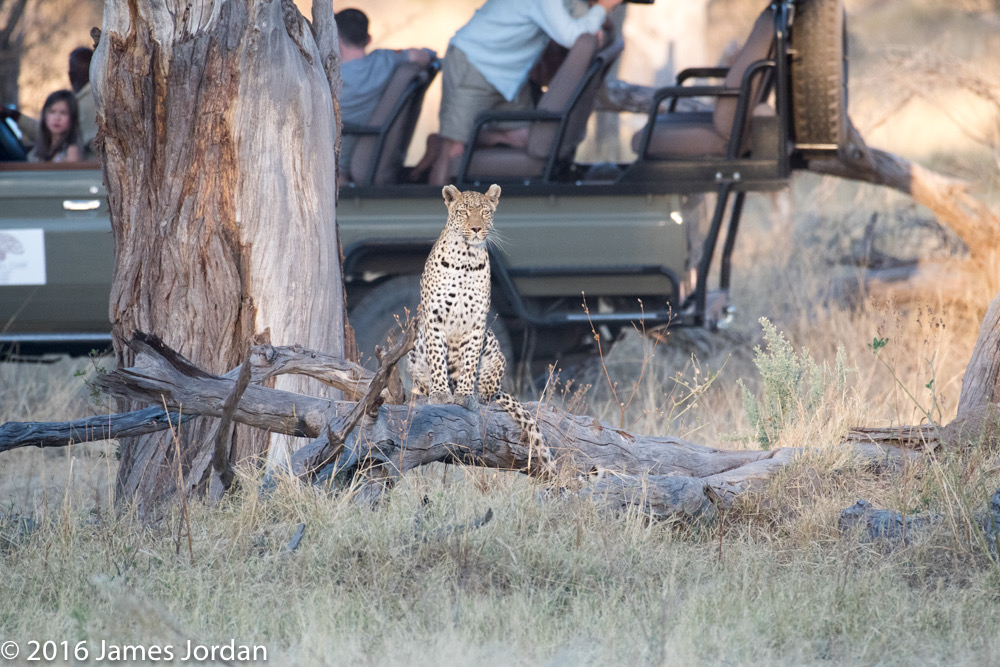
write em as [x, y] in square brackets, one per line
[493, 195]
[450, 193]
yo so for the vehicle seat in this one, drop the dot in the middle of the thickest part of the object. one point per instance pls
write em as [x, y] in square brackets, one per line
[11, 148]
[718, 132]
[557, 126]
[382, 143]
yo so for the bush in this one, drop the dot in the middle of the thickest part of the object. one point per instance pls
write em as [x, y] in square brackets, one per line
[795, 388]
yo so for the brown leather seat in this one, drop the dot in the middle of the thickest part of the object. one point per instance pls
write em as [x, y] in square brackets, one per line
[381, 144]
[557, 126]
[713, 133]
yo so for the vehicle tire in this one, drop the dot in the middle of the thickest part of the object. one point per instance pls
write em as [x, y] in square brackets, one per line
[374, 321]
[819, 75]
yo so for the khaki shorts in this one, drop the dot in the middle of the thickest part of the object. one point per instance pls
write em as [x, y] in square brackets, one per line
[465, 93]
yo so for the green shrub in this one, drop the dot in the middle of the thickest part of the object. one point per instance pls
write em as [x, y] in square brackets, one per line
[795, 388]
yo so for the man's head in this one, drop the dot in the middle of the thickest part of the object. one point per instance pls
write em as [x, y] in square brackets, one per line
[79, 67]
[352, 26]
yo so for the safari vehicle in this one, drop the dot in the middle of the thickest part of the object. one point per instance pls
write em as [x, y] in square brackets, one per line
[615, 235]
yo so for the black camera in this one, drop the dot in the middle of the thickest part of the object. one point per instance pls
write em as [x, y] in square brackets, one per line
[640, 2]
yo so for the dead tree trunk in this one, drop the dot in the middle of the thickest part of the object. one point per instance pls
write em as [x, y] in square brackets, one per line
[978, 418]
[217, 129]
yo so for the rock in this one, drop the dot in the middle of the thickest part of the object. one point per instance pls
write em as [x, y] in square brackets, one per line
[879, 525]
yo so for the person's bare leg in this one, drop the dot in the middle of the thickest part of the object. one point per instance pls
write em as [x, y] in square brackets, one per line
[431, 154]
[449, 149]
[517, 137]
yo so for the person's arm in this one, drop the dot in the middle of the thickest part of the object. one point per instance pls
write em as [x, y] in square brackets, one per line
[553, 17]
[421, 56]
[73, 154]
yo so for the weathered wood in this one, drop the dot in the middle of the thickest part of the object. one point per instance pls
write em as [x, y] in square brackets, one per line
[663, 476]
[324, 29]
[877, 525]
[268, 361]
[296, 540]
[948, 198]
[338, 428]
[403, 437]
[223, 471]
[89, 429]
[663, 497]
[925, 437]
[981, 382]
[217, 129]
[162, 377]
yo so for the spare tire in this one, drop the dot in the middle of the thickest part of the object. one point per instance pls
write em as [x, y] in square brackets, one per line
[819, 77]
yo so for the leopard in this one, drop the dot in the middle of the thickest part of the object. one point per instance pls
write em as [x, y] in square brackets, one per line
[456, 357]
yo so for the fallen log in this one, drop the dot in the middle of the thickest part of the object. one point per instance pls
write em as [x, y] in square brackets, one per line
[662, 475]
[87, 429]
[948, 198]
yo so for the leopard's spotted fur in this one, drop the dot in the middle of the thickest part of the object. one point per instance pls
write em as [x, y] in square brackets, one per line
[455, 350]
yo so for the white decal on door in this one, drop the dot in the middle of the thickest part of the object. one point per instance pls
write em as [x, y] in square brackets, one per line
[22, 257]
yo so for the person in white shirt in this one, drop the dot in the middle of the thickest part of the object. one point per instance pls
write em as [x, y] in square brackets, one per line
[488, 61]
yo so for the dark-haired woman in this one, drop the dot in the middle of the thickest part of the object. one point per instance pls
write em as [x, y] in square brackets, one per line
[59, 131]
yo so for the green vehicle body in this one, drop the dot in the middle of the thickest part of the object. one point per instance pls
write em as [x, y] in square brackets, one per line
[631, 246]
[553, 247]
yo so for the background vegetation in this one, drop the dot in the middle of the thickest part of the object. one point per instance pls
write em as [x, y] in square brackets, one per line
[557, 581]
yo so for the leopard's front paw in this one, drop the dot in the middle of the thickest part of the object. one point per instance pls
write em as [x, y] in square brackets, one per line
[467, 401]
[440, 398]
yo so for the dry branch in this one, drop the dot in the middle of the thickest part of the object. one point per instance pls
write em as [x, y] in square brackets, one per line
[948, 198]
[293, 544]
[339, 428]
[269, 360]
[664, 476]
[89, 429]
[919, 438]
[224, 473]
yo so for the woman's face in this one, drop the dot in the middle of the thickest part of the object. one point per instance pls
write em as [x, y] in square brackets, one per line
[57, 118]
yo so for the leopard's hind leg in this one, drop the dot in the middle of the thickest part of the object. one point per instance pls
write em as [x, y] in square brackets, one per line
[420, 370]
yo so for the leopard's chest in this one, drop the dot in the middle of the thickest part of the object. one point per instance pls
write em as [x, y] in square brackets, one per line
[455, 288]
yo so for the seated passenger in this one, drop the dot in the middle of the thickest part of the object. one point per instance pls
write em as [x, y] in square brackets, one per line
[488, 61]
[538, 80]
[79, 79]
[365, 75]
[59, 132]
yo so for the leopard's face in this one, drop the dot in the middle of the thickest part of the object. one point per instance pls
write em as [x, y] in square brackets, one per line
[470, 213]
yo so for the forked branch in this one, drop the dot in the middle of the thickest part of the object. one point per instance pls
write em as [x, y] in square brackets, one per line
[664, 476]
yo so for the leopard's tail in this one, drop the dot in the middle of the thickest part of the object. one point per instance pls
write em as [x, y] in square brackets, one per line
[529, 429]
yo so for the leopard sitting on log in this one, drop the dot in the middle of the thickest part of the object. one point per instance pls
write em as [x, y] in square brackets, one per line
[455, 353]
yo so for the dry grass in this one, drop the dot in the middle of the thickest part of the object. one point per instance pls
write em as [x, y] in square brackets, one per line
[553, 582]
[557, 581]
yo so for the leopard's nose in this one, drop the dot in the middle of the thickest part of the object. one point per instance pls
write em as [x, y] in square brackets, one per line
[475, 229]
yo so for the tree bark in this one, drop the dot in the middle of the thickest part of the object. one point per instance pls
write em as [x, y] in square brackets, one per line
[217, 131]
[981, 383]
[978, 418]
